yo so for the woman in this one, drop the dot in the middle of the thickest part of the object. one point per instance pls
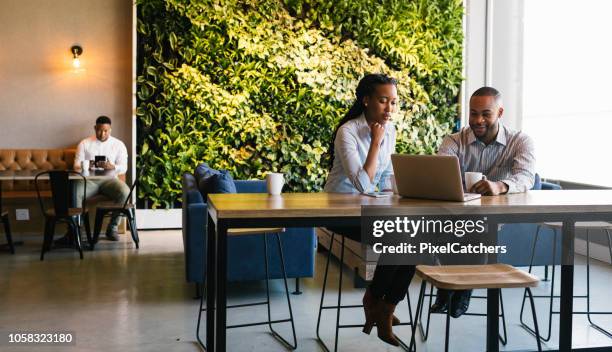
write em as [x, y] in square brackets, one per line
[361, 160]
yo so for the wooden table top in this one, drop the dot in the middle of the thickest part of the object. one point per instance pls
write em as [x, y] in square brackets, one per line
[261, 205]
[31, 174]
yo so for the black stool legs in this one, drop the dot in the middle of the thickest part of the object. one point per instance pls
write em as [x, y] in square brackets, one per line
[551, 296]
[588, 295]
[339, 305]
[503, 338]
[419, 311]
[269, 322]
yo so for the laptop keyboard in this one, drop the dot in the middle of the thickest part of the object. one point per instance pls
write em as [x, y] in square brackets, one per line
[470, 196]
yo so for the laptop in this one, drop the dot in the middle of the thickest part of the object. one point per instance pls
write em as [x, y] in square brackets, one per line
[429, 177]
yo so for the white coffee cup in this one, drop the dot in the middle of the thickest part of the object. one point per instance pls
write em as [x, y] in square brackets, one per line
[471, 178]
[85, 167]
[275, 182]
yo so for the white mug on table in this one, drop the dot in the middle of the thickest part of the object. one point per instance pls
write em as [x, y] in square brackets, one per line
[471, 178]
[85, 165]
[275, 182]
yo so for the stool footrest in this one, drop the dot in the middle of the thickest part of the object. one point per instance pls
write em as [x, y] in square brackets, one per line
[346, 306]
[247, 305]
[242, 305]
[557, 296]
[473, 296]
[582, 312]
[361, 325]
[260, 323]
[468, 313]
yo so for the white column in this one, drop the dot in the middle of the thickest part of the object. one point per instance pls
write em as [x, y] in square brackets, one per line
[494, 54]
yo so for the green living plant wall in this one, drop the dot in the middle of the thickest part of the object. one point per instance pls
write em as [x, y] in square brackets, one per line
[254, 86]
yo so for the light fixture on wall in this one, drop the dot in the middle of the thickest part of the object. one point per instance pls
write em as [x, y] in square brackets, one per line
[76, 51]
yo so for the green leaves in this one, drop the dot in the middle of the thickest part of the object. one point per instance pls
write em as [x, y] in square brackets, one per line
[253, 86]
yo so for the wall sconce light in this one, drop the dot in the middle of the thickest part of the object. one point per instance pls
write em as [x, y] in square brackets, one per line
[76, 51]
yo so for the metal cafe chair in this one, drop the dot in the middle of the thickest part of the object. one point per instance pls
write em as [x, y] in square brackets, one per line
[61, 210]
[110, 209]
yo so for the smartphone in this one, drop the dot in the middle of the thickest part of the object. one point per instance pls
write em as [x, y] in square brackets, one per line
[98, 159]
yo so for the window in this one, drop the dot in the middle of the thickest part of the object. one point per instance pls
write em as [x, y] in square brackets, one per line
[567, 86]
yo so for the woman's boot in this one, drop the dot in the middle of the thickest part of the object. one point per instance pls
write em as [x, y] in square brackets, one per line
[370, 305]
[384, 323]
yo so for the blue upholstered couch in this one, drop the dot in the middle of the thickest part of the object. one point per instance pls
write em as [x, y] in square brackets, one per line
[245, 253]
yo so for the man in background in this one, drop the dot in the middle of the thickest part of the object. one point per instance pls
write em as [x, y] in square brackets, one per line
[116, 158]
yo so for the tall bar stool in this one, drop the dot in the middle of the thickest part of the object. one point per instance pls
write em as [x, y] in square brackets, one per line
[556, 227]
[470, 277]
[338, 307]
[425, 332]
[269, 322]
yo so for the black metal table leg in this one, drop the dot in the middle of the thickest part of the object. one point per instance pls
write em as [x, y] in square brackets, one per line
[221, 302]
[567, 287]
[493, 320]
[492, 295]
[211, 289]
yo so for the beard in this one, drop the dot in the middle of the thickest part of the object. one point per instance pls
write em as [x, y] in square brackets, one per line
[479, 130]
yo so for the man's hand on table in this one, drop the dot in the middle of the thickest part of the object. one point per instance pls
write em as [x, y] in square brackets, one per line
[489, 188]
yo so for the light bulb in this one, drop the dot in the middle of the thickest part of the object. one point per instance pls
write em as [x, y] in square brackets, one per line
[76, 51]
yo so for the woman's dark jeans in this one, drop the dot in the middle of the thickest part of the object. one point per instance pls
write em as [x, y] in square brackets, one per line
[390, 282]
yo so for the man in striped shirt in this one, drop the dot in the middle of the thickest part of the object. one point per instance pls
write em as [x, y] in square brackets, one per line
[505, 156]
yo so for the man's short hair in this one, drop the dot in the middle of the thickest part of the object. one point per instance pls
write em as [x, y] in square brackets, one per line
[487, 92]
[103, 120]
